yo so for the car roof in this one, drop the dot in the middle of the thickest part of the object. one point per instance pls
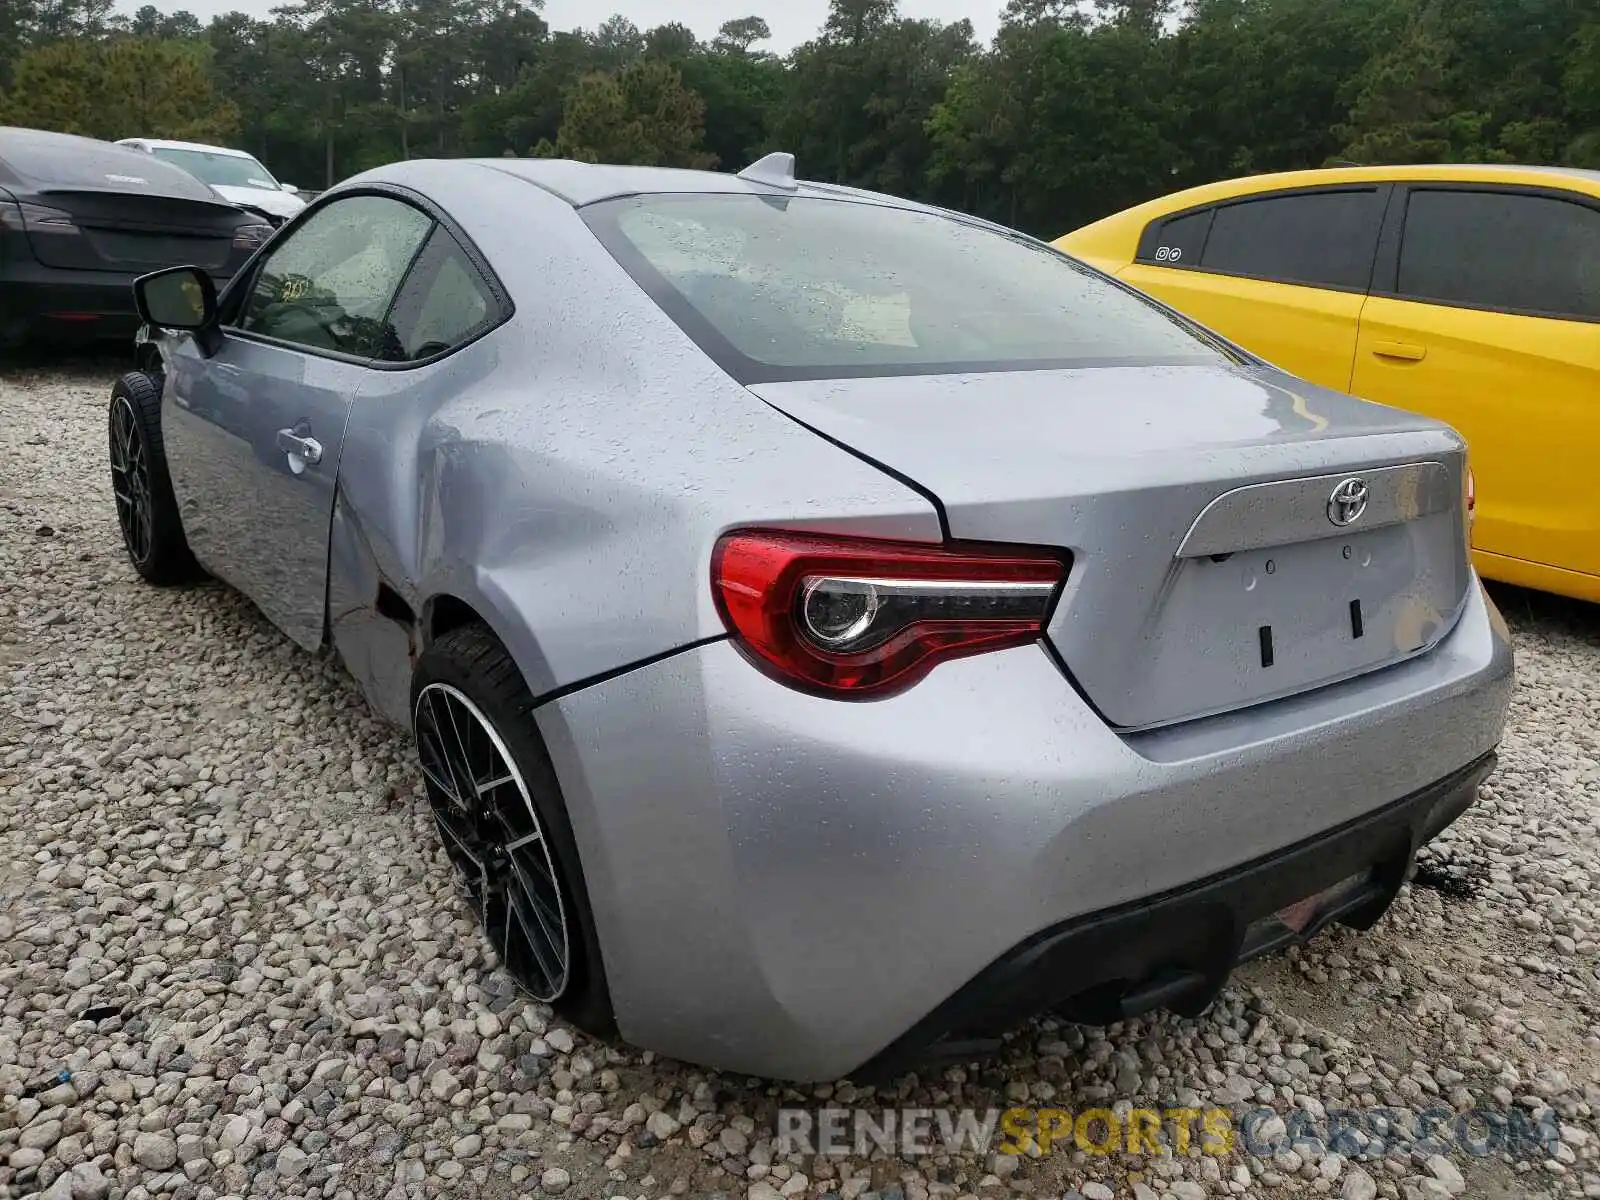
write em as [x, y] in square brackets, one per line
[43, 161]
[1577, 172]
[1431, 171]
[581, 183]
[169, 144]
[1112, 237]
[1247, 185]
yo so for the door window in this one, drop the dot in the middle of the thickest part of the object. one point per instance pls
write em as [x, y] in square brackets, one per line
[1502, 250]
[329, 285]
[1324, 239]
[444, 302]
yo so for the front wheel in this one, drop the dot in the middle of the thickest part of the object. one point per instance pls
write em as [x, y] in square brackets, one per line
[147, 511]
[498, 808]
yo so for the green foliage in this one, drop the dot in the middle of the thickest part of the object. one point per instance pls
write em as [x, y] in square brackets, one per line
[1475, 81]
[1062, 123]
[739, 35]
[1260, 85]
[1581, 87]
[150, 21]
[860, 96]
[121, 87]
[642, 114]
[741, 92]
[18, 27]
[1078, 107]
[670, 43]
[1402, 112]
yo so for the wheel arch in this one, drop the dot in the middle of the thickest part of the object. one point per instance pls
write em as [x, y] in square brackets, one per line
[380, 624]
[450, 604]
[446, 611]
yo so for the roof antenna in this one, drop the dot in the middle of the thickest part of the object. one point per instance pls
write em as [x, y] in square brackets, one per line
[774, 170]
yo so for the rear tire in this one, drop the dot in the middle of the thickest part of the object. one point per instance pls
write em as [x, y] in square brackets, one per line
[147, 511]
[499, 812]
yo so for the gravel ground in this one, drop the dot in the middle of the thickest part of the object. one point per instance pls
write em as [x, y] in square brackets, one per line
[223, 911]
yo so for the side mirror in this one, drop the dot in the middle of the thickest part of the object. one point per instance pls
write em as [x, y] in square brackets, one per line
[288, 187]
[177, 298]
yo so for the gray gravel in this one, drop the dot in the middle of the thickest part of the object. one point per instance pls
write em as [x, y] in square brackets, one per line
[232, 959]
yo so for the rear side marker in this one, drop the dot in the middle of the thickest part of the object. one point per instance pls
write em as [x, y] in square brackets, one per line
[1266, 645]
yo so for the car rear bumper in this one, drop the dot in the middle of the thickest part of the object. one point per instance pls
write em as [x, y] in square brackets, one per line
[1176, 950]
[60, 304]
[799, 888]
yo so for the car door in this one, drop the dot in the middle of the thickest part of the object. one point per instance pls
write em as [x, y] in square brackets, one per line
[254, 429]
[1485, 314]
[1283, 274]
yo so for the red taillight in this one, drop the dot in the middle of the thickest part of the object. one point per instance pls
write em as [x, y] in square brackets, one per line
[857, 619]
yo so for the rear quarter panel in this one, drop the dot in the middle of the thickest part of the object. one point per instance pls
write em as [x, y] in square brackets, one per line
[1309, 332]
[1306, 331]
[568, 474]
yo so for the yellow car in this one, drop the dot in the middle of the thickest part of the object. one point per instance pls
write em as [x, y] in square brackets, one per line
[1467, 293]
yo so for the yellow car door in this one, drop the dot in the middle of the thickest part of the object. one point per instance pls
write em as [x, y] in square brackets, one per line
[1283, 274]
[1485, 313]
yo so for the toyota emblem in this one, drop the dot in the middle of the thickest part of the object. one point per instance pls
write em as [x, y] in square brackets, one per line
[1348, 502]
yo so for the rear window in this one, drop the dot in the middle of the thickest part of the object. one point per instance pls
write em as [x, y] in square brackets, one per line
[36, 158]
[807, 288]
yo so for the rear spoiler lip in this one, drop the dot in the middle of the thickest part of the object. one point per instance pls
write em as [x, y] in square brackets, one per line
[213, 201]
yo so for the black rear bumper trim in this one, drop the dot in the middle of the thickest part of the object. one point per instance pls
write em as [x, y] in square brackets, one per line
[1175, 950]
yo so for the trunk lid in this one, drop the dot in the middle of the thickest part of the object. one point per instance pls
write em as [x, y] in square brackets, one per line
[1198, 502]
[118, 231]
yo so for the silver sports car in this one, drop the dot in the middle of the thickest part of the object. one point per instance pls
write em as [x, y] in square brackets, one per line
[834, 629]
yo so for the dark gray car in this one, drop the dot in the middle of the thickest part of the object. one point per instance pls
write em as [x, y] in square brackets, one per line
[81, 219]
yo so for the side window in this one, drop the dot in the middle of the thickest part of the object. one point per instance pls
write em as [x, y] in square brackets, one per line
[444, 302]
[1502, 250]
[1176, 241]
[328, 286]
[1324, 239]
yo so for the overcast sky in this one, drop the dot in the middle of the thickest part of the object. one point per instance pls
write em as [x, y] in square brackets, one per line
[792, 21]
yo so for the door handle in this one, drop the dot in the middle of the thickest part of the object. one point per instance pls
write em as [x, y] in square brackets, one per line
[1401, 350]
[307, 449]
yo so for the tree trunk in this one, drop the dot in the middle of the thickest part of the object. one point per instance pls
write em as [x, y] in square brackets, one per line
[405, 144]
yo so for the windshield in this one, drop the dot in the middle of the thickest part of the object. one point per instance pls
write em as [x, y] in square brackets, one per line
[807, 288]
[226, 170]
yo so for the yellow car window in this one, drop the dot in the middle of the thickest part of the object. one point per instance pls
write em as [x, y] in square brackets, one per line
[1502, 250]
